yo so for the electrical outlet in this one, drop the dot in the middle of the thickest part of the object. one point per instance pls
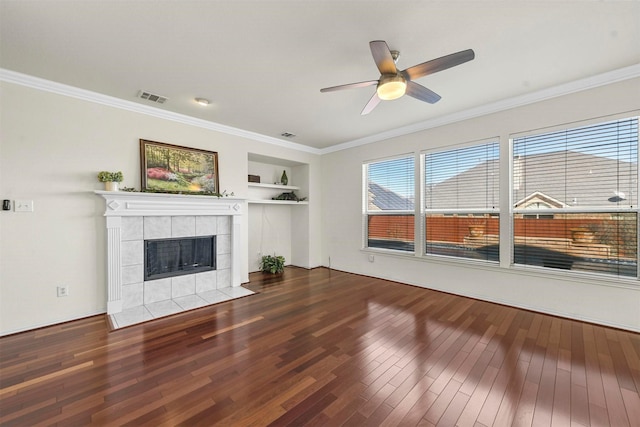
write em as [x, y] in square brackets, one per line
[63, 291]
[23, 206]
[372, 258]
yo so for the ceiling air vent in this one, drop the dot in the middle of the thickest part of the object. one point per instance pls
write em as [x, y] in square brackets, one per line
[158, 99]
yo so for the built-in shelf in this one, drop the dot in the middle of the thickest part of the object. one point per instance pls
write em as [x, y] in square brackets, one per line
[278, 225]
[277, 202]
[276, 186]
[264, 193]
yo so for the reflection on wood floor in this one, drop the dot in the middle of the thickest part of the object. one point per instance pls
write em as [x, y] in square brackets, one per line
[327, 348]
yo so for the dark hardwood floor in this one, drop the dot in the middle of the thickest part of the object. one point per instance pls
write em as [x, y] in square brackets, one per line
[325, 348]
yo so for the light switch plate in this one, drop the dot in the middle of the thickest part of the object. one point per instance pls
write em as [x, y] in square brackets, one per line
[23, 206]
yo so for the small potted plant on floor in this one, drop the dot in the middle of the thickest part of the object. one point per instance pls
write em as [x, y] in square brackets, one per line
[272, 264]
[110, 179]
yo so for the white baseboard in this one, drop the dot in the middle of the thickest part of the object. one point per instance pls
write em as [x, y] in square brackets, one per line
[55, 322]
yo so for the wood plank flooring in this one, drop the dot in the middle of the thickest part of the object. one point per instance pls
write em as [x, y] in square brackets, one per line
[325, 348]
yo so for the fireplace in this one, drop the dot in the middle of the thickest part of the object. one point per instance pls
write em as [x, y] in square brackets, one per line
[178, 256]
[133, 220]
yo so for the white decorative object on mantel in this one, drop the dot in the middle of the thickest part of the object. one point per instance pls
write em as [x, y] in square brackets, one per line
[132, 204]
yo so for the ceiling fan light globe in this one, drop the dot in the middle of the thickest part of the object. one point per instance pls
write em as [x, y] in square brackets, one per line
[391, 88]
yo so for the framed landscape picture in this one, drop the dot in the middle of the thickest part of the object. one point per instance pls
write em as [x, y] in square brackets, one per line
[167, 168]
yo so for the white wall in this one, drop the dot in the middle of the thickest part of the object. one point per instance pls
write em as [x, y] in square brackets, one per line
[614, 302]
[51, 148]
[269, 233]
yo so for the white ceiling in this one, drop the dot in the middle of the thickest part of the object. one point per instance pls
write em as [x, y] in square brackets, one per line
[262, 63]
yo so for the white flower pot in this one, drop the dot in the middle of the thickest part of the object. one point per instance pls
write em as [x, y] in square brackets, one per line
[111, 186]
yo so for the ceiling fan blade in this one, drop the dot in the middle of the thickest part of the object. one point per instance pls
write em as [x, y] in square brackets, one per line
[422, 93]
[349, 86]
[438, 64]
[373, 102]
[382, 57]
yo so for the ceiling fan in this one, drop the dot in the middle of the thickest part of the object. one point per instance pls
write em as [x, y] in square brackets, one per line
[393, 84]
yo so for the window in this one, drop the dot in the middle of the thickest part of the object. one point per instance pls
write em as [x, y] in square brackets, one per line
[575, 195]
[389, 207]
[461, 205]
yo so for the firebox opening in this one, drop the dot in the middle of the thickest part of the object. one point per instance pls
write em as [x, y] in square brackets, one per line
[178, 256]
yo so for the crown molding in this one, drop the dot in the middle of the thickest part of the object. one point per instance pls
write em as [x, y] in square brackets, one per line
[110, 101]
[610, 77]
[592, 82]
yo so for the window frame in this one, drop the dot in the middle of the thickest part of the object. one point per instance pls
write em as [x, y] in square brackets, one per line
[464, 212]
[366, 213]
[505, 209]
[525, 211]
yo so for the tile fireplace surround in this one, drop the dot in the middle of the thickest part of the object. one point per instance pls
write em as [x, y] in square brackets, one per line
[133, 217]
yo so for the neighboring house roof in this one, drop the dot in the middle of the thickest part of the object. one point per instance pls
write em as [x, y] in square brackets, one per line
[381, 198]
[588, 180]
[539, 200]
[468, 189]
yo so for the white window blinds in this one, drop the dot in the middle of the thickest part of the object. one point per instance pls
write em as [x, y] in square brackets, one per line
[389, 210]
[461, 202]
[575, 195]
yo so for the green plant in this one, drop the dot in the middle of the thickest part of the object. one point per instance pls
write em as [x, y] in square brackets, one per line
[105, 176]
[272, 264]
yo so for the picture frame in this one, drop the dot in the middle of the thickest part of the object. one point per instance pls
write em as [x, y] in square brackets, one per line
[167, 168]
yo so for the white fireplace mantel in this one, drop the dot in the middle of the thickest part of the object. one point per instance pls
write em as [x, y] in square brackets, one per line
[133, 204]
[125, 203]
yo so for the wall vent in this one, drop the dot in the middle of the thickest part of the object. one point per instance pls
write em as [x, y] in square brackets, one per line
[158, 99]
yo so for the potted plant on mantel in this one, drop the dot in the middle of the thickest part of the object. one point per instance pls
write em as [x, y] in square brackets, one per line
[272, 264]
[110, 179]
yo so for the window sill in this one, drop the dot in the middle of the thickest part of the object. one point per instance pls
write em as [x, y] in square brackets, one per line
[516, 270]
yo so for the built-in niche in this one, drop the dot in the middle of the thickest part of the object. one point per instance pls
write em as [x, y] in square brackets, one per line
[278, 227]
